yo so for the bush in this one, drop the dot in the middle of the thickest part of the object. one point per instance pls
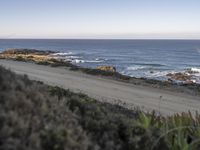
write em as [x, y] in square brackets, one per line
[30, 118]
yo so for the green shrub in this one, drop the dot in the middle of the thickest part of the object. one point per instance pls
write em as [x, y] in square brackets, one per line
[30, 118]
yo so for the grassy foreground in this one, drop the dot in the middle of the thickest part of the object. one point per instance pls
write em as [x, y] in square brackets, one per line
[34, 116]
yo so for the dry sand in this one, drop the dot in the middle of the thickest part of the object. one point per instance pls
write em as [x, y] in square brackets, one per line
[147, 98]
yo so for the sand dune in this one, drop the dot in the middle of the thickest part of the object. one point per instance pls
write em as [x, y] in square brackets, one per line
[147, 98]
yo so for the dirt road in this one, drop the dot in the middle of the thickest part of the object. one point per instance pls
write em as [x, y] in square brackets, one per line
[147, 98]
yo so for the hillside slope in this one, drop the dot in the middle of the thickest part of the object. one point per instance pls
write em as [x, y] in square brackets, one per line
[34, 116]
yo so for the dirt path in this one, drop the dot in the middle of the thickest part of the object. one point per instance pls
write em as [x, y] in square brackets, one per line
[147, 98]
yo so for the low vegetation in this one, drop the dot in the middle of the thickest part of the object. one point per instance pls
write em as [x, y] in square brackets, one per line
[37, 116]
[31, 119]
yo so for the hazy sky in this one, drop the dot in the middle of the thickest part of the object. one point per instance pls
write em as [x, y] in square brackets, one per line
[100, 19]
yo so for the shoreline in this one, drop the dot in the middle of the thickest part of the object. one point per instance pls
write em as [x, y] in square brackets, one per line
[50, 58]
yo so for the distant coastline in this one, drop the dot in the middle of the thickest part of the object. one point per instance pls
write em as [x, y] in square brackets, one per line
[151, 59]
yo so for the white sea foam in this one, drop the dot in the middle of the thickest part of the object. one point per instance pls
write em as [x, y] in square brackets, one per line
[69, 56]
[77, 61]
[198, 50]
[133, 68]
[101, 59]
[73, 57]
[62, 54]
[94, 61]
[159, 73]
[195, 70]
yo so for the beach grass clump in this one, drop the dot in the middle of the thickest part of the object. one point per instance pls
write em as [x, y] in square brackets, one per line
[181, 131]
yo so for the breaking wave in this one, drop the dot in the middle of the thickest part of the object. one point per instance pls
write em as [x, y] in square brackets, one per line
[133, 68]
[76, 58]
[62, 54]
[197, 70]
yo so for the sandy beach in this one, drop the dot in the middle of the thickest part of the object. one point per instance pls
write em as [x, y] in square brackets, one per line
[147, 98]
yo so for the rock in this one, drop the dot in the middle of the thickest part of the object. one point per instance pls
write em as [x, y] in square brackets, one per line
[192, 72]
[185, 77]
[107, 68]
[151, 71]
[170, 81]
[180, 76]
[26, 51]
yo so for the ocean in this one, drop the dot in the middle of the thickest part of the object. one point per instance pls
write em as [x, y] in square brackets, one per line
[139, 58]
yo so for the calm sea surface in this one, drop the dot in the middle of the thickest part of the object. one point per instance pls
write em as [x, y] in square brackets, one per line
[139, 58]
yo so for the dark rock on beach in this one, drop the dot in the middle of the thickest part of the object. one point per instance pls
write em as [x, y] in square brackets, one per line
[180, 76]
[107, 68]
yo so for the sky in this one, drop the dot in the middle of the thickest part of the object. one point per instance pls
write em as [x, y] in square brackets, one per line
[100, 19]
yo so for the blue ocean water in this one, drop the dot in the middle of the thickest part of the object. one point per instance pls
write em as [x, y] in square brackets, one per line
[139, 58]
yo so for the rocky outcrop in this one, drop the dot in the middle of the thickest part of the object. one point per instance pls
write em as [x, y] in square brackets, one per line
[180, 76]
[107, 68]
[184, 77]
[37, 56]
[26, 51]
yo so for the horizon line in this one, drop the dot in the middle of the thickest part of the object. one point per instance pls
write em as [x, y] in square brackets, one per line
[99, 38]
